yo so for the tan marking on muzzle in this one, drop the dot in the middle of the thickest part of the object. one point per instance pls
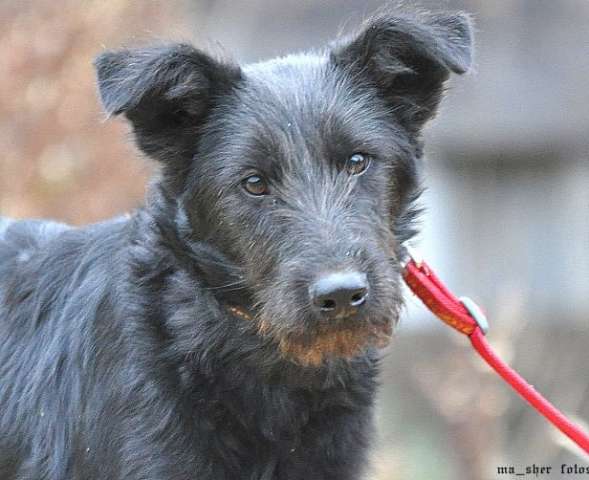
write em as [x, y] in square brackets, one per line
[334, 343]
[329, 342]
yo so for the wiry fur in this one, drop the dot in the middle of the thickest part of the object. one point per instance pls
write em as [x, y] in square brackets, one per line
[120, 357]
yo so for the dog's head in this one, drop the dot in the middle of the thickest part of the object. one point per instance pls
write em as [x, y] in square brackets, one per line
[299, 172]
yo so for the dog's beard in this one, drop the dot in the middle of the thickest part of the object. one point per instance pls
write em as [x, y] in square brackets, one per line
[326, 342]
[334, 342]
[314, 346]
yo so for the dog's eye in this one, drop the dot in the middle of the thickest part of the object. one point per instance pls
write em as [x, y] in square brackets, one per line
[255, 185]
[357, 164]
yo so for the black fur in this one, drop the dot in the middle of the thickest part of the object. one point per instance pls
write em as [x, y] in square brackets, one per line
[119, 356]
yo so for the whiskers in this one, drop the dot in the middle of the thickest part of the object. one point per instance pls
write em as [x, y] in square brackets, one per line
[230, 287]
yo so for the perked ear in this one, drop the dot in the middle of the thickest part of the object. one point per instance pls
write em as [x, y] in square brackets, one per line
[166, 93]
[409, 57]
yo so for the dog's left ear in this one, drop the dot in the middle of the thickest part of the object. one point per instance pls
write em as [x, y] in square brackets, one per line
[409, 57]
[166, 93]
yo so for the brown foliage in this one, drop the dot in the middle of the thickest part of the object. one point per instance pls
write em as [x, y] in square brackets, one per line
[58, 158]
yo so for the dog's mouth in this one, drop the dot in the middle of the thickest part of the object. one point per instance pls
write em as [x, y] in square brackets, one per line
[326, 341]
[335, 342]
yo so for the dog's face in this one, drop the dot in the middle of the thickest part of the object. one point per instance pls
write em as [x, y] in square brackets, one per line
[299, 172]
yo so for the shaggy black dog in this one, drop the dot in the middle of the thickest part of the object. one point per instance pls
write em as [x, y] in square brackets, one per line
[229, 329]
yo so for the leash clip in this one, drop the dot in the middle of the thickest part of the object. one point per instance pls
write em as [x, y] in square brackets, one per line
[462, 314]
[476, 313]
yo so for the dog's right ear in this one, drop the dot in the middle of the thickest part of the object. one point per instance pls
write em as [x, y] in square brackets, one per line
[166, 92]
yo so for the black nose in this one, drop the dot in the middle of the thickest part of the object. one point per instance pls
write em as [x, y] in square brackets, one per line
[340, 293]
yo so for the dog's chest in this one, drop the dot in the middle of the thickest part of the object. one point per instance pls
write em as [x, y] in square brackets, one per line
[286, 435]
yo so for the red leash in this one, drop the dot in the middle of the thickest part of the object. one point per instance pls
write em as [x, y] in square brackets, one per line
[466, 317]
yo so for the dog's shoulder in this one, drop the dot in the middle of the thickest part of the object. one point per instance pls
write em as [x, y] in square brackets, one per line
[28, 236]
[19, 239]
[43, 254]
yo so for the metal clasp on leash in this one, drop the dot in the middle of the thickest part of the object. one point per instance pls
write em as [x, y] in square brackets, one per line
[438, 290]
[476, 313]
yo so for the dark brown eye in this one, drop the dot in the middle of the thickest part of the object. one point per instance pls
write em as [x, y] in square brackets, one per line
[357, 164]
[255, 185]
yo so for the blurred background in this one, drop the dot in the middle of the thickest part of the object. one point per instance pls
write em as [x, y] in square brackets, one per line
[508, 197]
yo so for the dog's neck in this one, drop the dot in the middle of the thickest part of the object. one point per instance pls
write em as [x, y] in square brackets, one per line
[218, 273]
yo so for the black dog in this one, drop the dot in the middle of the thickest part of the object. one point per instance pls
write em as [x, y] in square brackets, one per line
[230, 328]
